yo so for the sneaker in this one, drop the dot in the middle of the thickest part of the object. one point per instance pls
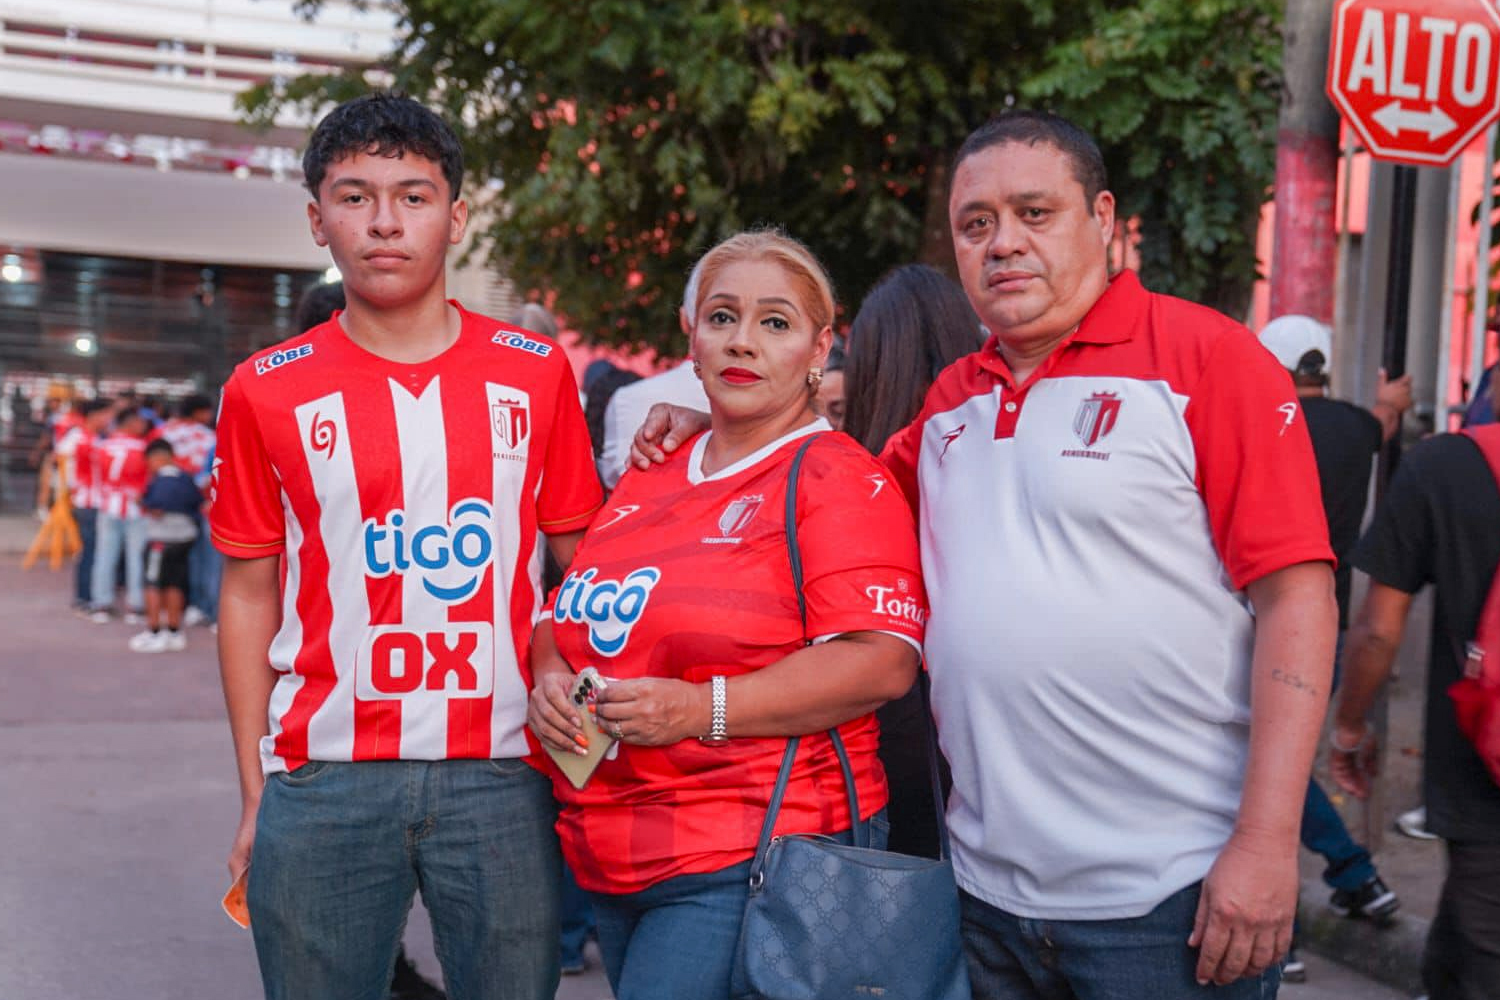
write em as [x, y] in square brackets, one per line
[1293, 969]
[134, 618]
[408, 984]
[175, 642]
[100, 617]
[192, 616]
[1413, 823]
[1373, 901]
[140, 642]
[149, 642]
[575, 966]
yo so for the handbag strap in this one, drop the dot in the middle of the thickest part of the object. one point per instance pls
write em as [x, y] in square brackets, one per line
[1481, 657]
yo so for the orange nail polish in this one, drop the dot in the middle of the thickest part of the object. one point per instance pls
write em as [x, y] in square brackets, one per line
[581, 740]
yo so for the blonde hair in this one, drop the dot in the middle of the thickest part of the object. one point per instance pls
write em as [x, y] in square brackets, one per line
[806, 272]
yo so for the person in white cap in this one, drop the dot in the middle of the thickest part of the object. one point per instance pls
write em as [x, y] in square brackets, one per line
[1345, 439]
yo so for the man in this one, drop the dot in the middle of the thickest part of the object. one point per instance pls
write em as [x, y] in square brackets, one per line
[630, 403]
[1105, 490]
[77, 450]
[401, 459]
[120, 481]
[1438, 523]
[191, 435]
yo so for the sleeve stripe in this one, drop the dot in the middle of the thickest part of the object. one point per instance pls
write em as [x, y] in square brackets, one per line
[569, 520]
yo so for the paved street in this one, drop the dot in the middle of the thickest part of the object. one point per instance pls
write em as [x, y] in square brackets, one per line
[119, 800]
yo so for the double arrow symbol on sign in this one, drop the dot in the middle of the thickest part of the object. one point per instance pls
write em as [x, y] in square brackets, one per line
[1395, 119]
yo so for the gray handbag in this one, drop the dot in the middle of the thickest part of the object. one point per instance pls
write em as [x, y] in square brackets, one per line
[826, 920]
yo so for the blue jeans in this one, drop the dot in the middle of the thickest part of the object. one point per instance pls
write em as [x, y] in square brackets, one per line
[577, 920]
[341, 848]
[1324, 832]
[204, 566]
[83, 572]
[676, 940]
[113, 535]
[1016, 958]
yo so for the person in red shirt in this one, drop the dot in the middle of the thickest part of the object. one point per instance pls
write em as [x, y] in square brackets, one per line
[681, 593]
[78, 449]
[401, 461]
[119, 483]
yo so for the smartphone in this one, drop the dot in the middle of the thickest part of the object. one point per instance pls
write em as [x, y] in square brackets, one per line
[576, 767]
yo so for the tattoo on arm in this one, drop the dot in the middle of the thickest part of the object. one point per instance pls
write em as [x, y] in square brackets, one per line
[1293, 681]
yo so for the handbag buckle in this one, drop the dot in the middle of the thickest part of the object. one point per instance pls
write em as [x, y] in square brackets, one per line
[1473, 661]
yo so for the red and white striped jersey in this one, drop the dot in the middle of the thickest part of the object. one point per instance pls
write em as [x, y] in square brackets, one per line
[76, 448]
[191, 442]
[407, 501]
[120, 474]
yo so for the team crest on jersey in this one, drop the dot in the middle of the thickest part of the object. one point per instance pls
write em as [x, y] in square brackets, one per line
[609, 608]
[282, 357]
[1096, 417]
[735, 519]
[512, 419]
[449, 558]
[323, 435]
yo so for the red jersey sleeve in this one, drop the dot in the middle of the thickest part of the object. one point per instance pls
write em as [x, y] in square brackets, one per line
[245, 514]
[861, 570]
[900, 458]
[570, 493]
[1256, 471]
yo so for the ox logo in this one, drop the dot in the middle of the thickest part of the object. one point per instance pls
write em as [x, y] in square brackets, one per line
[610, 608]
[1096, 417]
[456, 660]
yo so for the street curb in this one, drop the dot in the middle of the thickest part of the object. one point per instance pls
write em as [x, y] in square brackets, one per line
[1391, 955]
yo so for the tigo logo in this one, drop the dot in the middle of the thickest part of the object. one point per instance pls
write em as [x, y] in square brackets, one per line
[610, 608]
[449, 558]
[280, 358]
[521, 342]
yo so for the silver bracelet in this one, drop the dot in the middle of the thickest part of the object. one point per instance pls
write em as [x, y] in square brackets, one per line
[718, 733]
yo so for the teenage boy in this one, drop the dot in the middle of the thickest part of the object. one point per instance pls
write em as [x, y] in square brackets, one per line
[171, 504]
[398, 461]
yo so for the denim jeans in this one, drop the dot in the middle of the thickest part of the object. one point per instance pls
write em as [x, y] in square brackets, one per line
[83, 573]
[204, 567]
[1016, 958]
[676, 940]
[113, 535]
[577, 920]
[340, 849]
[1324, 832]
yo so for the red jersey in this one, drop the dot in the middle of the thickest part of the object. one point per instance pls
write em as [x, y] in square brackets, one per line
[120, 474]
[191, 442]
[407, 500]
[684, 575]
[77, 449]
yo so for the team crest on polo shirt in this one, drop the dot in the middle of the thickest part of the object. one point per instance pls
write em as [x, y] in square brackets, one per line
[1096, 417]
[735, 519]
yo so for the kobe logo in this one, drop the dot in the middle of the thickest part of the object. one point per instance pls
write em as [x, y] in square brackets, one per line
[323, 435]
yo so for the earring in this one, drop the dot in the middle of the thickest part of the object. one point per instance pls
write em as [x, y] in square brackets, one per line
[698, 368]
[814, 376]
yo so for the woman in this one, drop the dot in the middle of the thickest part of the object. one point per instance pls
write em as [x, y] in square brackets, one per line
[681, 594]
[914, 323]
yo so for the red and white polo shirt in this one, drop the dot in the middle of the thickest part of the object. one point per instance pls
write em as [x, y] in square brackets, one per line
[686, 575]
[1086, 541]
[406, 499]
[119, 474]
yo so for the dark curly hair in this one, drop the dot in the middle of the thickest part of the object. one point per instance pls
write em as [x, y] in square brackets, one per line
[382, 124]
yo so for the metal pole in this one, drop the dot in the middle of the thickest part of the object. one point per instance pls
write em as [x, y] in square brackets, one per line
[1482, 264]
[1445, 323]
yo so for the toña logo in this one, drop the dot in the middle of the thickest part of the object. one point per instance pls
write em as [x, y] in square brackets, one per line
[323, 435]
[521, 342]
[1096, 417]
[448, 558]
[610, 608]
[512, 419]
[896, 602]
[282, 357]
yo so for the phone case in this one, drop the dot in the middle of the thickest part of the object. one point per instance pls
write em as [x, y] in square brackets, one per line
[578, 768]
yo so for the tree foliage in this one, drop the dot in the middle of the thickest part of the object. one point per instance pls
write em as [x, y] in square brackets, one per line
[614, 140]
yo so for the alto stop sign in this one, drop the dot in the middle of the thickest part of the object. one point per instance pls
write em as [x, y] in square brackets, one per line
[1417, 80]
